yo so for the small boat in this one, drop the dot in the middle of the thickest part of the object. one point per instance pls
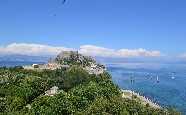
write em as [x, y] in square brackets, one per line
[132, 80]
[157, 79]
[173, 75]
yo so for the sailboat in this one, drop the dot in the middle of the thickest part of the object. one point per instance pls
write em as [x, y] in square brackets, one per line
[173, 77]
[157, 79]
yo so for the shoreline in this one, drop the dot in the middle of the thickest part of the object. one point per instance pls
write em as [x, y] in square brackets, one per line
[129, 94]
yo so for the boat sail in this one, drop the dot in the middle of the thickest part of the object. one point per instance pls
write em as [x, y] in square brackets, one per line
[157, 79]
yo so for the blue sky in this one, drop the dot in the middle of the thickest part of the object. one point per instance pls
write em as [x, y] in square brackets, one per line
[114, 24]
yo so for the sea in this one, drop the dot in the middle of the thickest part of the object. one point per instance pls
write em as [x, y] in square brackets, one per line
[164, 84]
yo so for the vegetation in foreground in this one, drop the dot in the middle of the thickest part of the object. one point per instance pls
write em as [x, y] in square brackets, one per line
[22, 92]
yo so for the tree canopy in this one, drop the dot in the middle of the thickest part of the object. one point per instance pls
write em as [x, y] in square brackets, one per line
[22, 92]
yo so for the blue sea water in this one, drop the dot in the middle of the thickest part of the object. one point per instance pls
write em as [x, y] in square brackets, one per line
[169, 91]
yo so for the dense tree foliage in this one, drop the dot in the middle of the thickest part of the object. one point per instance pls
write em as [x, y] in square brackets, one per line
[22, 92]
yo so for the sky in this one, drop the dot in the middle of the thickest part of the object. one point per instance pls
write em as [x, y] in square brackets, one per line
[121, 28]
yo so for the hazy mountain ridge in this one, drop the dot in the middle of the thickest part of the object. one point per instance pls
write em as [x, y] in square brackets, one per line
[23, 58]
[106, 60]
[167, 60]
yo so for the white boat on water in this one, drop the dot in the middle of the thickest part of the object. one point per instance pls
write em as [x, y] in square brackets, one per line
[173, 75]
[157, 79]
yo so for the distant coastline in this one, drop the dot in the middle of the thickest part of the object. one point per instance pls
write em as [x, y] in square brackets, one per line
[17, 63]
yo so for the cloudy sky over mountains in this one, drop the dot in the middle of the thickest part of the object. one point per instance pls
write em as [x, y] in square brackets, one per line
[39, 49]
[125, 28]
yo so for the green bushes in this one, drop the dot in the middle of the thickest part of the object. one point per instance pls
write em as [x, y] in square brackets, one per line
[3, 105]
[58, 105]
[80, 94]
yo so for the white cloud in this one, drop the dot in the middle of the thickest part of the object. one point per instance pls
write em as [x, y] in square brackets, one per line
[105, 52]
[31, 49]
[138, 52]
[96, 51]
[38, 49]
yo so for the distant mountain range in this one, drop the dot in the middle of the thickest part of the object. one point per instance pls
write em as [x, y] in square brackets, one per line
[106, 60]
[23, 58]
[166, 60]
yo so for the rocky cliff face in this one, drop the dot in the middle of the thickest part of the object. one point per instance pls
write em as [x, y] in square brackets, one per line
[67, 54]
[74, 58]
